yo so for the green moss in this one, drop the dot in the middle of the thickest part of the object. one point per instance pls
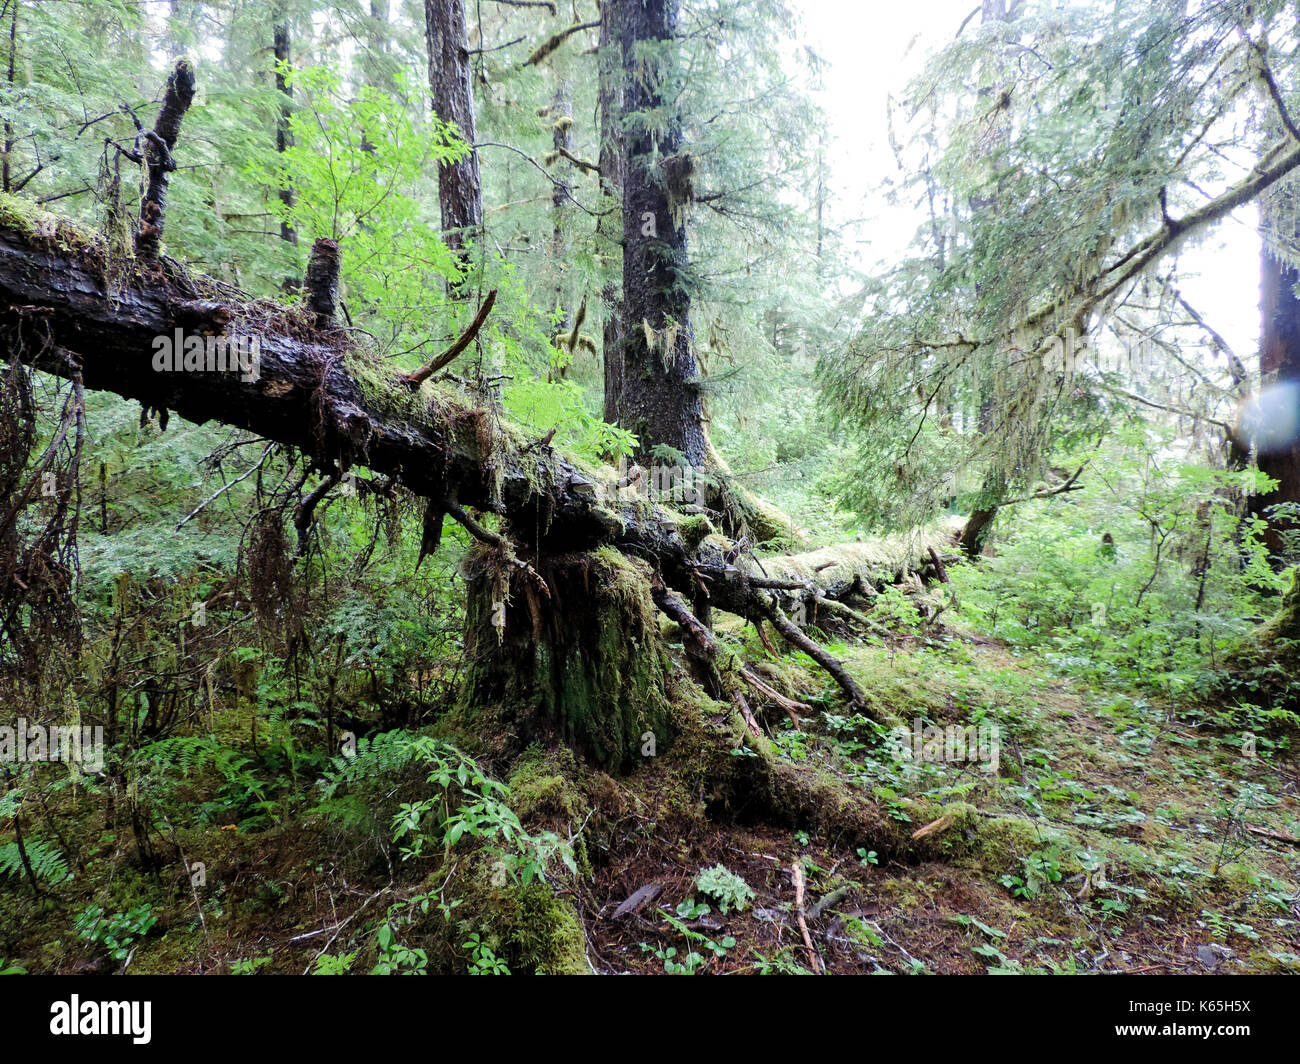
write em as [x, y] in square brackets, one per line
[172, 953]
[1005, 840]
[1237, 880]
[53, 230]
[549, 936]
[695, 529]
[958, 834]
[532, 928]
[1285, 625]
[535, 794]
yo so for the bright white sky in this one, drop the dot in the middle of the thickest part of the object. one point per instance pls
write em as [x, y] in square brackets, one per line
[872, 47]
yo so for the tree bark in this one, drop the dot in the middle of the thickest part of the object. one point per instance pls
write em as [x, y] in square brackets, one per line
[660, 399]
[610, 226]
[460, 194]
[561, 114]
[158, 147]
[979, 526]
[283, 138]
[1279, 363]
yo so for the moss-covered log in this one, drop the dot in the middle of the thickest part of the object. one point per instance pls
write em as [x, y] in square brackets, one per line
[323, 393]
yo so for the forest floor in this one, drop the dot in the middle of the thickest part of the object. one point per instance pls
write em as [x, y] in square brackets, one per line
[1115, 836]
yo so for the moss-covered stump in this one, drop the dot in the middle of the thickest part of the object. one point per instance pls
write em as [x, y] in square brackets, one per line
[577, 660]
[1285, 625]
[1263, 669]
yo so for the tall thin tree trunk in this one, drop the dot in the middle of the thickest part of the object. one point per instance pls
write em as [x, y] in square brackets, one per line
[5, 172]
[460, 194]
[979, 526]
[610, 227]
[283, 137]
[561, 141]
[376, 66]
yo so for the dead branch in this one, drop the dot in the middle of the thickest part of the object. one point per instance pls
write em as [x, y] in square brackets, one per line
[414, 380]
[158, 161]
[814, 961]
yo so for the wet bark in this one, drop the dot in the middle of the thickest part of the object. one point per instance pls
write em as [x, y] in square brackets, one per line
[460, 195]
[283, 139]
[158, 146]
[610, 226]
[660, 399]
[1279, 362]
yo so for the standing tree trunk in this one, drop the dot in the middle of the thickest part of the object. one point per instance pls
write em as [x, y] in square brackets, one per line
[979, 525]
[460, 192]
[652, 378]
[610, 226]
[9, 129]
[660, 398]
[562, 143]
[1279, 363]
[283, 138]
[376, 64]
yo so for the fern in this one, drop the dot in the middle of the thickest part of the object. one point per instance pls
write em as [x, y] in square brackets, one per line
[184, 754]
[381, 755]
[47, 862]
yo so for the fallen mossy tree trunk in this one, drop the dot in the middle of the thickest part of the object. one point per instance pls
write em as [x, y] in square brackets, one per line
[316, 389]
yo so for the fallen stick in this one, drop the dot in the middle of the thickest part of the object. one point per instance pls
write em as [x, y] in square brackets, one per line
[796, 869]
[939, 567]
[1278, 836]
[819, 654]
[932, 828]
[748, 714]
[788, 704]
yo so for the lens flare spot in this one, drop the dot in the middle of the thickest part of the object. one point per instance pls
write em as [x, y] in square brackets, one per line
[1271, 419]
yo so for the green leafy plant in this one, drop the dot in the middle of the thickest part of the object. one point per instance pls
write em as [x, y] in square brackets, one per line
[395, 957]
[483, 961]
[333, 964]
[692, 961]
[1039, 869]
[47, 861]
[729, 890]
[115, 933]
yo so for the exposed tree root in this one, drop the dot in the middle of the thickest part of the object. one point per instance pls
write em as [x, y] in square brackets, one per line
[819, 654]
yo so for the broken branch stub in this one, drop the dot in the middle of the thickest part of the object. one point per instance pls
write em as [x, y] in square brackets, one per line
[158, 148]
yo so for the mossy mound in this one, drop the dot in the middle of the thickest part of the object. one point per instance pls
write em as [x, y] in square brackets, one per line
[1264, 670]
[532, 928]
